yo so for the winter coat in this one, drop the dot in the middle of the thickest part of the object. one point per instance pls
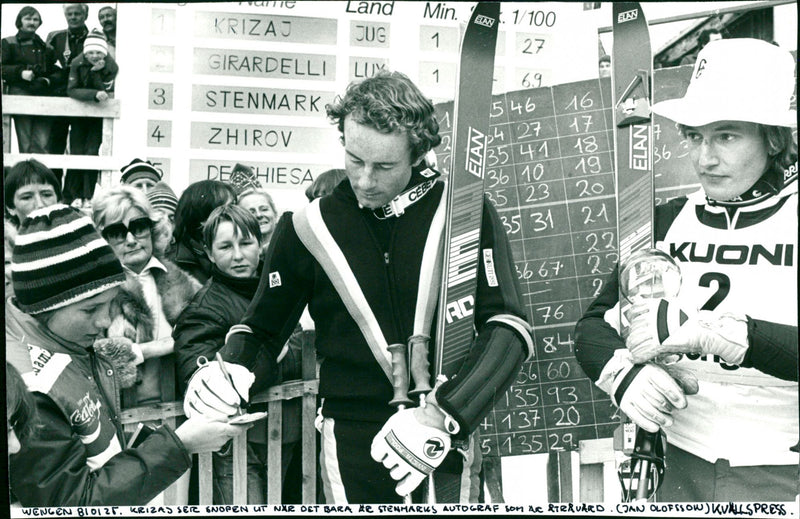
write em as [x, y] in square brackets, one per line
[77, 456]
[385, 257]
[201, 330]
[132, 318]
[191, 258]
[67, 46]
[84, 83]
[28, 52]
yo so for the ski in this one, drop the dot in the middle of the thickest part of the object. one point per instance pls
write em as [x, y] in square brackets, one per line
[632, 70]
[454, 333]
[631, 84]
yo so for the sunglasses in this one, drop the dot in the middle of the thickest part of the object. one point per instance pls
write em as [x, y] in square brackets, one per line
[118, 232]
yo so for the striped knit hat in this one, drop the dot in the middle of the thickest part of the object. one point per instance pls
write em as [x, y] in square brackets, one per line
[137, 169]
[59, 259]
[95, 40]
[162, 196]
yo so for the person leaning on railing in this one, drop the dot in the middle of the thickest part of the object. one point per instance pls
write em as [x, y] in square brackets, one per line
[65, 276]
[29, 68]
[91, 79]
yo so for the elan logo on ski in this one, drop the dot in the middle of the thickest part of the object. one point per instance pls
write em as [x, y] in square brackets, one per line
[628, 16]
[477, 152]
[640, 148]
[485, 21]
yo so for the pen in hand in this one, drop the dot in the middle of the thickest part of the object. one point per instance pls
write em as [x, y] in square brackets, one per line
[242, 401]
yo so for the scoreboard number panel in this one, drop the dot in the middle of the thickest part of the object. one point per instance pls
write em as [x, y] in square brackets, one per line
[550, 175]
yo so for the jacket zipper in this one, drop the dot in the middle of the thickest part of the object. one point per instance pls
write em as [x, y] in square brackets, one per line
[114, 411]
[387, 263]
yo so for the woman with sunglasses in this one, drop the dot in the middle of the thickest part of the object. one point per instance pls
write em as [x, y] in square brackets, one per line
[153, 296]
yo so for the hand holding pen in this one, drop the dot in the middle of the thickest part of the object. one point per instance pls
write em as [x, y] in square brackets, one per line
[218, 390]
[242, 400]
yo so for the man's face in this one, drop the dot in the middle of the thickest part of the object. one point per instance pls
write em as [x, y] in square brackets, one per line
[605, 69]
[728, 156]
[75, 16]
[378, 165]
[108, 19]
[144, 184]
[30, 22]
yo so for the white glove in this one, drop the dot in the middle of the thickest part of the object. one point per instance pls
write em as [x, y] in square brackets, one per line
[211, 395]
[652, 394]
[660, 327]
[409, 449]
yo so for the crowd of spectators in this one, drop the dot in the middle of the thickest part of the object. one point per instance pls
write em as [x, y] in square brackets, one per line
[185, 269]
[75, 62]
[174, 274]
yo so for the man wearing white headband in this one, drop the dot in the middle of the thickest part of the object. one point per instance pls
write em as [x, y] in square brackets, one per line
[729, 404]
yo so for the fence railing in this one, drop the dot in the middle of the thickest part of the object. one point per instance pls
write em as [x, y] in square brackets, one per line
[306, 389]
[63, 106]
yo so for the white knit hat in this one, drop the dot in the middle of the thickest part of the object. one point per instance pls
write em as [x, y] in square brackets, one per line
[95, 41]
[739, 79]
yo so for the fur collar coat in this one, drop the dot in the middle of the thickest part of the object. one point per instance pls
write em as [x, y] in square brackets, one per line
[132, 318]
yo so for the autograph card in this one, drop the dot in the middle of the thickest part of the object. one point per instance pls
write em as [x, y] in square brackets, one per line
[247, 418]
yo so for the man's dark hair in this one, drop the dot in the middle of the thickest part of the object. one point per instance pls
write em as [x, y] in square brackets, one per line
[195, 204]
[325, 183]
[23, 173]
[26, 11]
[389, 102]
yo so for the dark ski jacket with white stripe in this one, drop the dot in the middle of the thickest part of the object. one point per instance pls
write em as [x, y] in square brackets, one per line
[77, 456]
[385, 256]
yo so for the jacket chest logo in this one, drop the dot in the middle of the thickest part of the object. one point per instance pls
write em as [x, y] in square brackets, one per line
[86, 411]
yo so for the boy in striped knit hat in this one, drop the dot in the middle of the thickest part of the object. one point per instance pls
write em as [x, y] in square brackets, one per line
[65, 276]
[163, 199]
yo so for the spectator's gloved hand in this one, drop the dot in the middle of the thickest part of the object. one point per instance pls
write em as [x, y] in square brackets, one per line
[211, 395]
[660, 327]
[649, 393]
[411, 444]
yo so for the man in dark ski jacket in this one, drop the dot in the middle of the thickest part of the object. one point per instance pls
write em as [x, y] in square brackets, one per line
[358, 258]
[29, 68]
[68, 44]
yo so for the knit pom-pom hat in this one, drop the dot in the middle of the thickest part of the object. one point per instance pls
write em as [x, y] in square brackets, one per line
[162, 196]
[244, 180]
[138, 169]
[96, 41]
[59, 259]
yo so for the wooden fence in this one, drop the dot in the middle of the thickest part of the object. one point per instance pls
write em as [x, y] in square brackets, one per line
[306, 389]
[64, 106]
